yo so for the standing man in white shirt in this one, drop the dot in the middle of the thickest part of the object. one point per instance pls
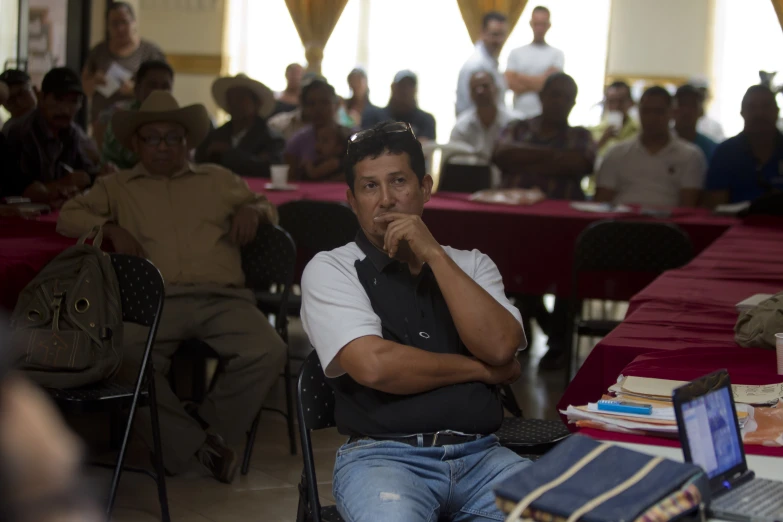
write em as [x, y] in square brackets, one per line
[494, 31]
[529, 66]
[656, 168]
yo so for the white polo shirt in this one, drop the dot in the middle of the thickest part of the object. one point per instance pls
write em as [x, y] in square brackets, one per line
[336, 308]
[641, 178]
[469, 130]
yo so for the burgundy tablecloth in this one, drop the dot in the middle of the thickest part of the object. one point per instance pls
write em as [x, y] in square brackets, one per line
[682, 325]
[25, 247]
[532, 246]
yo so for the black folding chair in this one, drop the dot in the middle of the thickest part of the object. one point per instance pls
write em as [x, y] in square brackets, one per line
[530, 438]
[315, 405]
[141, 289]
[464, 177]
[316, 226]
[611, 248]
[268, 263]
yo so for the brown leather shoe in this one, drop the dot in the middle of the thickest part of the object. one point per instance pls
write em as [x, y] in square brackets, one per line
[221, 460]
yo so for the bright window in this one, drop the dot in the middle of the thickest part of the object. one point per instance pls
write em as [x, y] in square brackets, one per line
[428, 37]
[747, 38]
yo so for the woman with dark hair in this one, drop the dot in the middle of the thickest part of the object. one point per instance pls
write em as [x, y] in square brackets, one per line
[315, 152]
[359, 102]
[122, 47]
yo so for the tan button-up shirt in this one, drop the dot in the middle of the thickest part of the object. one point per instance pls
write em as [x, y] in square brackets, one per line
[183, 222]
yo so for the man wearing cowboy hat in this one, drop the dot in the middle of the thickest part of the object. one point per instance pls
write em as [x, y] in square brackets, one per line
[245, 144]
[190, 221]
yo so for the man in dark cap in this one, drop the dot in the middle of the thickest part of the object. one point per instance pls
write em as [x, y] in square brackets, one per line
[51, 155]
[21, 96]
[404, 107]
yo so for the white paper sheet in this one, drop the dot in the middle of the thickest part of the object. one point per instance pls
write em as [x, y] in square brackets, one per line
[116, 75]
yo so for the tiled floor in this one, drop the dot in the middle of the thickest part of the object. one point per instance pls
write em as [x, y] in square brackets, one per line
[269, 491]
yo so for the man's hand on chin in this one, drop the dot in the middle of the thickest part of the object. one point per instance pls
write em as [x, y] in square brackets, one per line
[410, 230]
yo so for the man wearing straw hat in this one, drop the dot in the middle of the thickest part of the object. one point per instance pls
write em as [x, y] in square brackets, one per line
[190, 221]
[245, 144]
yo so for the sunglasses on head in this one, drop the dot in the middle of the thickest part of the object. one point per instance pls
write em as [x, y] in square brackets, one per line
[393, 127]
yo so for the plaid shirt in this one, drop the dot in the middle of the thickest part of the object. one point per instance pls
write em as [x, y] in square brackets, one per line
[528, 132]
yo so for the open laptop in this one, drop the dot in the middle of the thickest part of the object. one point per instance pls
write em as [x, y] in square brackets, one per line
[710, 437]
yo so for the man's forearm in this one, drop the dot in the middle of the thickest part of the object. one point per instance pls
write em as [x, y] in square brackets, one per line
[488, 330]
[518, 82]
[405, 370]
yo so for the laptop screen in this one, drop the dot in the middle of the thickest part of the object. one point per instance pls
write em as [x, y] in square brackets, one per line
[711, 432]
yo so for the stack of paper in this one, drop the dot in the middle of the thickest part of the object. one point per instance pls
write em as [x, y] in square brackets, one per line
[658, 394]
[661, 390]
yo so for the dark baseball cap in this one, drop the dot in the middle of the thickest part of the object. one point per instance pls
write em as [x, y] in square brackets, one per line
[61, 80]
[14, 77]
[406, 73]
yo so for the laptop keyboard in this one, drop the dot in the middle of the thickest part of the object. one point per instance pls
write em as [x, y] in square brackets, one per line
[757, 498]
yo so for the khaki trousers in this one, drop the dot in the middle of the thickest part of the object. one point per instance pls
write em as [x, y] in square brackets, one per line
[252, 356]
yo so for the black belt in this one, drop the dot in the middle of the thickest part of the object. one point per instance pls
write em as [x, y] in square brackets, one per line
[429, 440]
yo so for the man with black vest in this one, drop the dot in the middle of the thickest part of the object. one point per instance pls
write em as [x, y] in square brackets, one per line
[415, 337]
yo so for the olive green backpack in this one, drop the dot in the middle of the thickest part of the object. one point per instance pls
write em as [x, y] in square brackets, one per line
[757, 327]
[67, 324]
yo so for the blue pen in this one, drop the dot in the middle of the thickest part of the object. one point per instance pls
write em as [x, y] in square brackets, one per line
[625, 407]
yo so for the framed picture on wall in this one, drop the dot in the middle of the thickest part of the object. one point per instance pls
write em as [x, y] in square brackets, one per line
[46, 41]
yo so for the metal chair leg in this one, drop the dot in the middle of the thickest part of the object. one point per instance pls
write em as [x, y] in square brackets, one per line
[289, 405]
[160, 470]
[251, 440]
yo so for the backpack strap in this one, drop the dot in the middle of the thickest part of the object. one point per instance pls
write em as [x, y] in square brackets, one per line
[523, 504]
[95, 233]
[618, 489]
[595, 502]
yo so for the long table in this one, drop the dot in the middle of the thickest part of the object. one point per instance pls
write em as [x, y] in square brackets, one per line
[532, 246]
[682, 325]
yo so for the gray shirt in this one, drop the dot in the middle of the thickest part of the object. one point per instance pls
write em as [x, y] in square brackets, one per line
[480, 60]
[101, 58]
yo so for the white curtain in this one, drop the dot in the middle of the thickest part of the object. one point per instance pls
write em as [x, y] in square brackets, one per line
[427, 37]
[747, 38]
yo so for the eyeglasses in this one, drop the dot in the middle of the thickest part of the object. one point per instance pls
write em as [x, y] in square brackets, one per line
[393, 127]
[155, 140]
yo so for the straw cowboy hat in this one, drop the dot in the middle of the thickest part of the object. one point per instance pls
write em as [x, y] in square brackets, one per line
[222, 85]
[160, 106]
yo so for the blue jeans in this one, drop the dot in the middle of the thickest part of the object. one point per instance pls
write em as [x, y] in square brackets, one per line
[387, 481]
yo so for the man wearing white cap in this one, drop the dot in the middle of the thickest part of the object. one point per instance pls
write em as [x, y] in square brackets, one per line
[245, 144]
[190, 221]
[706, 125]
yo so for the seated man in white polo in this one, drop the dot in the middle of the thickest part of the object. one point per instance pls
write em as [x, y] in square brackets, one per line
[414, 337]
[190, 221]
[656, 168]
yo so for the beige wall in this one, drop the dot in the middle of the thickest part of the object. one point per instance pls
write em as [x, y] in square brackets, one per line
[660, 38]
[191, 36]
